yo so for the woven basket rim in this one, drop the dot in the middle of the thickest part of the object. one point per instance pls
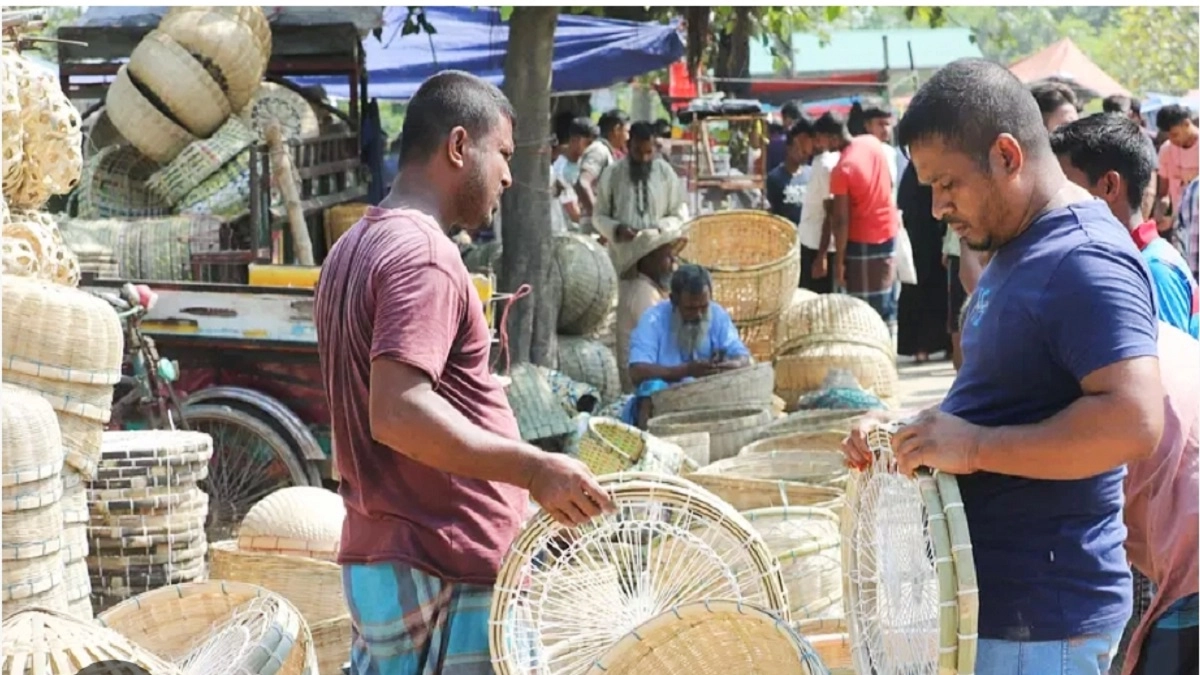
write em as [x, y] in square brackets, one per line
[703, 219]
[150, 131]
[701, 415]
[194, 98]
[720, 384]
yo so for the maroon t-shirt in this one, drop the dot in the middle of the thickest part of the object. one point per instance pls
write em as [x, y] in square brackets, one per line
[394, 287]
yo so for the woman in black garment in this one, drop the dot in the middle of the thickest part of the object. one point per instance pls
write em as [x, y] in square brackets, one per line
[923, 307]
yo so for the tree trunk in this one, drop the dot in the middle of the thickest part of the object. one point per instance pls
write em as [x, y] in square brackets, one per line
[525, 219]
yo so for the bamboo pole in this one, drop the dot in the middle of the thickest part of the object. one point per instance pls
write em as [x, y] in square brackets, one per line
[281, 168]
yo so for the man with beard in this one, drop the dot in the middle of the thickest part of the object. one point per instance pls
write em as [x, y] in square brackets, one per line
[644, 266]
[640, 192]
[681, 339]
[434, 476]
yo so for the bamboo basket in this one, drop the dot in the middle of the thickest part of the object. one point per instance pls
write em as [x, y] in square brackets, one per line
[694, 445]
[716, 637]
[610, 446]
[805, 369]
[49, 135]
[728, 428]
[141, 123]
[759, 337]
[754, 259]
[823, 441]
[727, 560]
[171, 621]
[815, 467]
[745, 494]
[586, 360]
[588, 282]
[538, 411]
[301, 521]
[832, 318]
[187, 91]
[838, 421]
[41, 642]
[745, 387]
[32, 442]
[340, 218]
[233, 43]
[200, 160]
[115, 184]
[807, 541]
[313, 586]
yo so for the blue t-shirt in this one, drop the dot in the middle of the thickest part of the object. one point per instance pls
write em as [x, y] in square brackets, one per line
[1067, 297]
[652, 341]
[1173, 286]
[785, 191]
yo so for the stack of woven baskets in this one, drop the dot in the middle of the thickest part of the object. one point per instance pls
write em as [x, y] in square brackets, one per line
[754, 260]
[146, 528]
[833, 332]
[288, 544]
[42, 157]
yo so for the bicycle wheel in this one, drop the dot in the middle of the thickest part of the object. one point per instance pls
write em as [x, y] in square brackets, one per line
[250, 461]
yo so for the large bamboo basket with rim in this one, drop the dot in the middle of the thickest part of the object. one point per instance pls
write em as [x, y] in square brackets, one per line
[609, 446]
[832, 317]
[694, 445]
[705, 550]
[815, 467]
[752, 386]
[46, 642]
[753, 257]
[32, 442]
[200, 160]
[745, 494]
[588, 281]
[313, 586]
[714, 637]
[759, 337]
[819, 420]
[187, 91]
[172, 621]
[140, 122]
[811, 441]
[116, 184]
[233, 43]
[588, 361]
[804, 369]
[728, 428]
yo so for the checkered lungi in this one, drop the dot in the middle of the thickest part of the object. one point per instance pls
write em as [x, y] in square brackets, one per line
[871, 276]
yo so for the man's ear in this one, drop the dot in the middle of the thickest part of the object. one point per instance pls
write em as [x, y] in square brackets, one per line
[1006, 155]
[1111, 187]
[456, 146]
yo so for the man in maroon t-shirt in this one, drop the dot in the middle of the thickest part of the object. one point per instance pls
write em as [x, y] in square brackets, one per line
[433, 472]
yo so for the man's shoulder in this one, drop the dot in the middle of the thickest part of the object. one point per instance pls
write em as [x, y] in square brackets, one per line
[407, 241]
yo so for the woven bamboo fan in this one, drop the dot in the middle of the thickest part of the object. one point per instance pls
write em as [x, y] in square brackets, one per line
[172, 622]
[754, 259]
[314, 587]
[609, 446]
[716, 637]
[187, 92]
[587, 360]
[277, 103]
[833, 318]
[588, 282]
[59, 333]
[52, 643]
[728, 428]
[745, 387]
[822, 441]
[233, 43]
[303, 521]
[32, 443]
[912, 597]
[115, 185]
[564, 596]
[694, 445]
[141, 123]
[200, 160]
[804, 369]
[815, 467]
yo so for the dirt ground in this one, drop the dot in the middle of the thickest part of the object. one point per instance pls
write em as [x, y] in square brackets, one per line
[924, 384]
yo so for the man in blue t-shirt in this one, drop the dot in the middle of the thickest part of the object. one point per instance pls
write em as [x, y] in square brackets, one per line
[1059, 387]
[1108, 156]
[788, 182]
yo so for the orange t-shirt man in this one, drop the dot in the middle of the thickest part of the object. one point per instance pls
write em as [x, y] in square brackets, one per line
[862, 175]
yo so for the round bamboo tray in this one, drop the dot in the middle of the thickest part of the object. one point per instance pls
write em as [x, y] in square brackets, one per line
[302, 521]
[815, 467]
[56, 333]
[820, 441]
[704, 550]
[32, 442]
[609, 446]
[829, 318]
[749, 387]
[233, 43]
[200, 160]
[694, 445]
[141, 123]
[754, 259]
[340, 218]
[186, 90]
[54, 643]
[805, 369]
[715, 637]
[314, 587]
[172, 621]
[277, 103]
[728, 428]
[588, 282]
[587, 360]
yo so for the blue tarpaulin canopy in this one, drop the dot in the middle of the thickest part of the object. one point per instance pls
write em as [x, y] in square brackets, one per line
[589, 52]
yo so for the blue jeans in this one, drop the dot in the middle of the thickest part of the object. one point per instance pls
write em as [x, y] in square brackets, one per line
[1085, 655]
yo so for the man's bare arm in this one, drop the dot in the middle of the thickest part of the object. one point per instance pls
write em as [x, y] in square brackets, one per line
[1119, 419]
[841, 225]
[642, 372]
[826, 227]
[410, 418]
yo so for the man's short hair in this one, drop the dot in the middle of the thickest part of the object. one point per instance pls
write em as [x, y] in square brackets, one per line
[447, 100]
[1171, 116]
[1108, 142]
[691, 280]
[641, 132]
[611, 120]
[790, 111]
[830, 124]
[662, 127]
[582, 127]
[967, 105]
[802, 127]
[1051, 96]
[1120, 103]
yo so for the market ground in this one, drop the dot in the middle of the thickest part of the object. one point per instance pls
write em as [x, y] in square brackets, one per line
[924, 384]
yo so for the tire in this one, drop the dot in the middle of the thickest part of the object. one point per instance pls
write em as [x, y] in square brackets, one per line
[312, 472]
[226, 509]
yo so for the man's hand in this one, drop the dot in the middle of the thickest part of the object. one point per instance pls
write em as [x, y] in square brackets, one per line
[700, 369]
[820, 267]
[566, 489]
[624, 233]
[858, 455]
[840, 274]
[937, 440]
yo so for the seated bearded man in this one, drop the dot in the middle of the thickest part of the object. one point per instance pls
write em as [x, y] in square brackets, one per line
[680, 339]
